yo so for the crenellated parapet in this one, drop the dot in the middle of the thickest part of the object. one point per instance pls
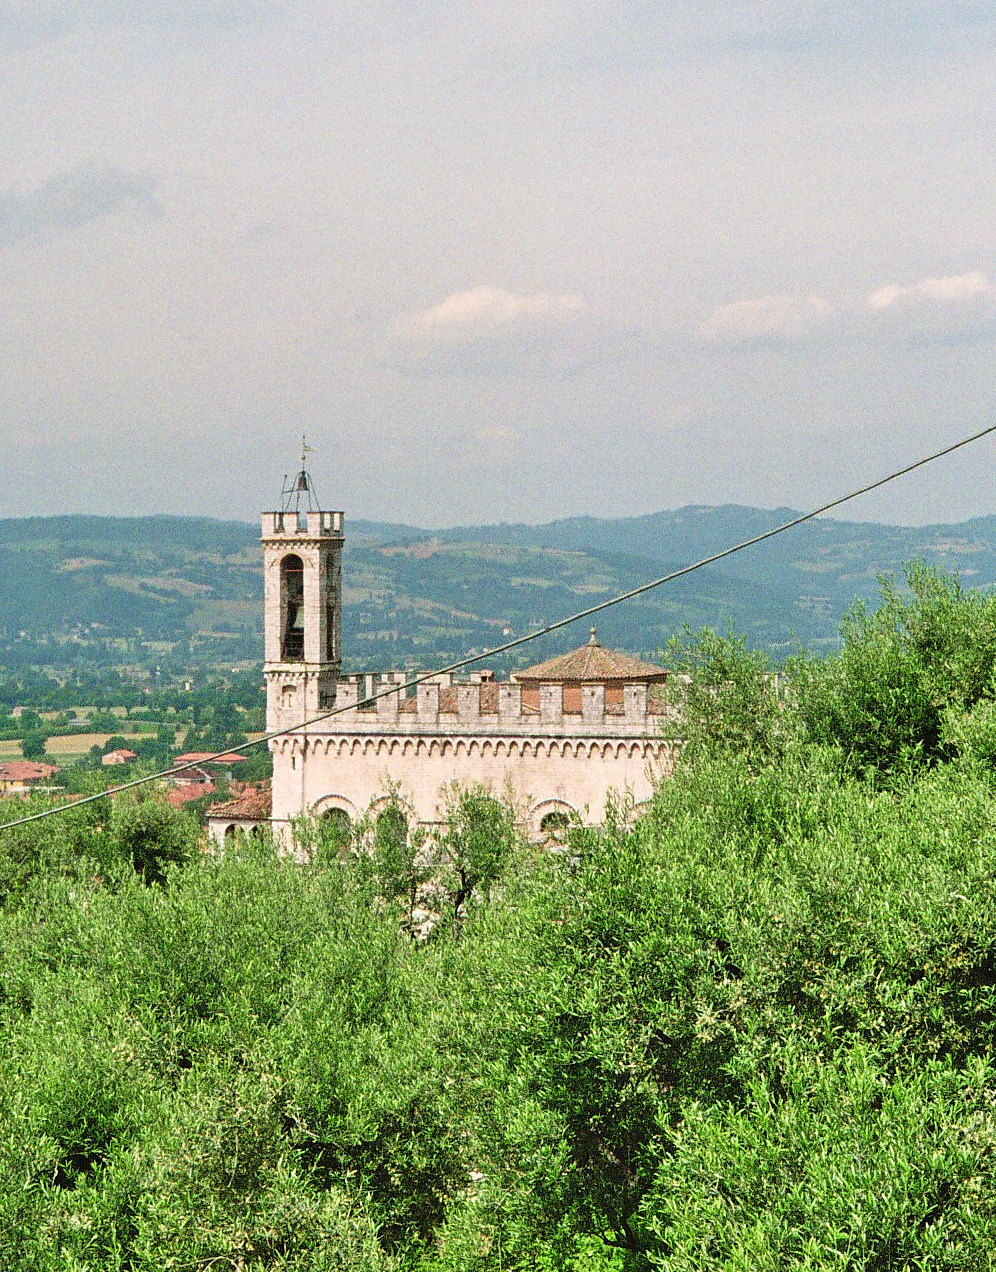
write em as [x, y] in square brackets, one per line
[302, 525]
[440, 706]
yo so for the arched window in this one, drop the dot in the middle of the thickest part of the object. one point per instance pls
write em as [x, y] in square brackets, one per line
[554, 826]
[336, 826]
[292, 608]
[391, 829]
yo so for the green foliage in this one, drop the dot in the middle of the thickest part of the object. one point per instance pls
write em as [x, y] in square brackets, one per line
[479, 838]
[104, 722]
[755, 1030]
[398, 857]
[725, 696]
[33, 744]
[907, 670]
[152, 835]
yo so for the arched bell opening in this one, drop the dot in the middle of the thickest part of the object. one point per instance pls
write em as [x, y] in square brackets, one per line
[292, 608]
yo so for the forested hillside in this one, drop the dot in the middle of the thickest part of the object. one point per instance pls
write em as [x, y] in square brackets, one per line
[185, 592]
[753, 1031]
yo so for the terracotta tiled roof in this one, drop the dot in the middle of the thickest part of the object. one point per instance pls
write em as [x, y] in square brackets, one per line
[448, 700]
[594, 664]
[180, 795]
[249, 803]
[190, 777]
[26, 771]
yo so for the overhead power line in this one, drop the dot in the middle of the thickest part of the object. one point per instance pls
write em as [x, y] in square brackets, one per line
[518, 641]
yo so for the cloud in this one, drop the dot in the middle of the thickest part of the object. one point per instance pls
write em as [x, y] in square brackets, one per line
[795, 26]
[74, 198]
[489, 331]
[25, 22]
[932, 291]
[765, 322]
[956, 309]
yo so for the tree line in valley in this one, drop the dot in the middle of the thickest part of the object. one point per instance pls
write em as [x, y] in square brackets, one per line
[168, 596]
[751, 1030]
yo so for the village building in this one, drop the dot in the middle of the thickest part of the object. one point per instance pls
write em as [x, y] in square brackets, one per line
[194, 767]
[178, 796]
[120, 755]
[248, 809]
[24, 777]
[560, 739]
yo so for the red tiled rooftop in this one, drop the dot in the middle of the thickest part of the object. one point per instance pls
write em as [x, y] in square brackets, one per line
[592, 664]
[180, 795]
[249, 803]
[26, 771]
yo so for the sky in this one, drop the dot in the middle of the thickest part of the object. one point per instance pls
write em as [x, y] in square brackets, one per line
[498, 261]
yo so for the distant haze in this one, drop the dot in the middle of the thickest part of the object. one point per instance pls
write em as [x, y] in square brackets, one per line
[499, 262]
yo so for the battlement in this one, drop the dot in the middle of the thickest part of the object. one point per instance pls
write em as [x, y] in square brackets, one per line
[305, 525]
[440, 705]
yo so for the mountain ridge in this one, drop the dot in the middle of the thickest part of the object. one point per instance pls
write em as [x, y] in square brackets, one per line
[186, 591]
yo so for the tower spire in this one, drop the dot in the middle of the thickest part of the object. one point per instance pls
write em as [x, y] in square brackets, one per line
[302, 485]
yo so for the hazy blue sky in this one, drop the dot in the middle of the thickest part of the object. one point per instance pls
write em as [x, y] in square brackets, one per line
[498, 260]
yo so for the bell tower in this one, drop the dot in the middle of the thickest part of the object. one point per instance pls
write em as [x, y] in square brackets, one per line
[302, 604]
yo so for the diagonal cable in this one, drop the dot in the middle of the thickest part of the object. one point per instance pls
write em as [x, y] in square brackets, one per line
[301, 729]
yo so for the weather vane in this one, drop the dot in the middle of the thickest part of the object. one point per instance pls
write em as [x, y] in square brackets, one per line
[301, 485]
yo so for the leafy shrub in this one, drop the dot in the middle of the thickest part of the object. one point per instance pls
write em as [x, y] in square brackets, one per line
[887, 698]
[152, 835]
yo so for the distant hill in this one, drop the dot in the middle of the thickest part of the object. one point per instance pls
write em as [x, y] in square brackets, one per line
[184, 591]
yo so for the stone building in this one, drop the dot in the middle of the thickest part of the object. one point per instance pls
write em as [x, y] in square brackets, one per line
[560, 738]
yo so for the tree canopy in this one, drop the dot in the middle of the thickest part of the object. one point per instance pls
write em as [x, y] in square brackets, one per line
[752, 1030]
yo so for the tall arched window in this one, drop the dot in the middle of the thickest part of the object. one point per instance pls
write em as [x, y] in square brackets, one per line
[292, 608]
[337, 827]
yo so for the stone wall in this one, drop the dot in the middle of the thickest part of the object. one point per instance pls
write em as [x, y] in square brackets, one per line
[545, 760]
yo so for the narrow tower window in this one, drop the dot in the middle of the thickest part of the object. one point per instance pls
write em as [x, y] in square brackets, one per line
[292, 595]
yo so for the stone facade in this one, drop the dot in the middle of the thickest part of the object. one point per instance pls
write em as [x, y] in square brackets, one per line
[560, 739]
